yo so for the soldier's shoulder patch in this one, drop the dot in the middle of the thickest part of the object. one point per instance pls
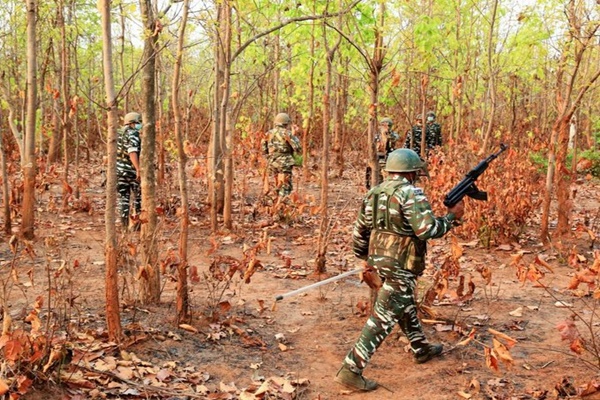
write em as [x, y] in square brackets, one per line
[418, 191]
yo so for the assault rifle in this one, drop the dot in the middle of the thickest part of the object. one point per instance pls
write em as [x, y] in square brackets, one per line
[467, 187]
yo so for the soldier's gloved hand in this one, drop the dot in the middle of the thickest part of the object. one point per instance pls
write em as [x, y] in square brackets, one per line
[458, 210]
[370, 277]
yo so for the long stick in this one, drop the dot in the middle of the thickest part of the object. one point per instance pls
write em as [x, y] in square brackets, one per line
[314, 285]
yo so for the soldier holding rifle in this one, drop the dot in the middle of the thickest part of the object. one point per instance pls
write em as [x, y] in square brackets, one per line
[391, 233]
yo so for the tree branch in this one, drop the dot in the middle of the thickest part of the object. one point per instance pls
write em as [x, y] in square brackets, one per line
[351, 42]
[288, 22]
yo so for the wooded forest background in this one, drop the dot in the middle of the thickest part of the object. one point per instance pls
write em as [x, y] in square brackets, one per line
[208, 78]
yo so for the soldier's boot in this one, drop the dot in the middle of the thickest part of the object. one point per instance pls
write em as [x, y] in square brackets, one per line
[125, 222]
[354, 380]
[427, 353]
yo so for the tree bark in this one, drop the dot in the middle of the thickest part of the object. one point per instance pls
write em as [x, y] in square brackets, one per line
[183, 307]
[491, 80]
[29, 165]
[66, 106]
[225, 126]
[150, 278]
[5, 188]
[113, 318]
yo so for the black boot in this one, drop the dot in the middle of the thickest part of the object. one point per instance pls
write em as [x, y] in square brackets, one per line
[427, 353]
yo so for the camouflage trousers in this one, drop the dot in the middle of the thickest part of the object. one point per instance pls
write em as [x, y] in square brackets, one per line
[283, 179]
[395, 304]
[126, 185]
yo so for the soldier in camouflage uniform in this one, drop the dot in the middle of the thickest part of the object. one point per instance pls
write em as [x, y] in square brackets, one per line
[391, 233]
[128, 166]
[386, 141]
[433, 134]
[279, 146]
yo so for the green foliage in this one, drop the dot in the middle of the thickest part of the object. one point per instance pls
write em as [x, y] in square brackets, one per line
[297, 159]
[540, 160]
[593, 156]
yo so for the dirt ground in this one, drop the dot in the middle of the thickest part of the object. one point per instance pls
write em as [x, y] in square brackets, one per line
[305, 337]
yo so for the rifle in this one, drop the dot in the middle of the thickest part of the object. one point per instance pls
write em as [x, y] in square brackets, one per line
[467, 187]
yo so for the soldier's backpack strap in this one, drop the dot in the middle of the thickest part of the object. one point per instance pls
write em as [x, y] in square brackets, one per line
[381, 219]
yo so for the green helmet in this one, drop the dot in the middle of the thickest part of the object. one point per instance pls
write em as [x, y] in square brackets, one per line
[419, 117]
[387, 121]
[404, 160]
[430, 114]
[282, 119]
[132, 117]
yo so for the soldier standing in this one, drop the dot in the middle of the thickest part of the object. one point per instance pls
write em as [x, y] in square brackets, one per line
[391, 233]
[128, 166]
[433, 134]
[386, 141]
[279, 146]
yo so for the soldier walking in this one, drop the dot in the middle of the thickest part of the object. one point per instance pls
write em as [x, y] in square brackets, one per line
[391, 233]
[128, 166]
[279, 147]
[433, 134]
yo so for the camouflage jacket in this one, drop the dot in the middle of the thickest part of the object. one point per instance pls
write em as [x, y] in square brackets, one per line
[281, 143]
[127, 142]
[433, 137]
[386, 143]
[393, 226]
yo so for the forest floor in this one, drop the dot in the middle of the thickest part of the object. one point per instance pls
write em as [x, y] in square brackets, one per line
[256, 348]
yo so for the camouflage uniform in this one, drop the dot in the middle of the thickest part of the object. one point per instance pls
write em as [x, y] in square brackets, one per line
[279, 146]
[128, 142]
[391, 233]
[433, 137]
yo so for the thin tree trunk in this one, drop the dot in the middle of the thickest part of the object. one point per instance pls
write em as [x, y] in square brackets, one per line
[491, 80]
[65, 119]
[215, 182]
[29, 166]
[183, 307]
[150, 280]
[5, 188]
[324, 225]
[311, 108]
[113, 318]
[225, 123]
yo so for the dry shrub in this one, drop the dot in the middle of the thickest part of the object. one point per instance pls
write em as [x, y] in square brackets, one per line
[511, 181]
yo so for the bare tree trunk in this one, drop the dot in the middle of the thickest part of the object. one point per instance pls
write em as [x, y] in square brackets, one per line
[113, 318]
[216, 181]
[324, 226]
[563, 183]
[150, 280]
[566, 108]
[29, 166]
[65, 119]
[375, 67]
[544, 226]
[54, 141]
[183, 306]
[311, 108]
[5, 188]
[491, 80]
[226, 127]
